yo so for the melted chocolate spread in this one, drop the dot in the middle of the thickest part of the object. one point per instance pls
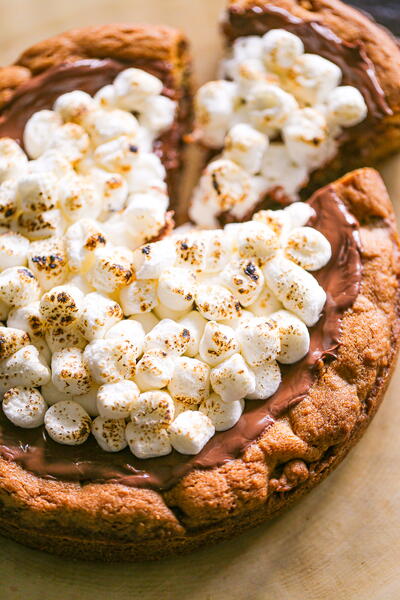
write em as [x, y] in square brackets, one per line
[357, 68]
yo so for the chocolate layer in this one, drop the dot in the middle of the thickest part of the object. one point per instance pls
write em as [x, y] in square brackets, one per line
[341, 277]
[357, 68]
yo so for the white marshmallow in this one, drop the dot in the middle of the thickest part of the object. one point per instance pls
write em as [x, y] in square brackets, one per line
[98, 315]
[214, 104]
[59, 337]
[216, 303]
[52, 395]
[13, 160]
[312, 78]
[268, 379]
[259, 340]
[176, 288]
[67, 423]
[294, 336]
[145, 443]
[151, 260]
[269, 107]
[18, 286]
[106, 125]
[13, 250]
[298, 290]
[280, 49]
[305, 134]
[129, 330]
[8, 200]
[246, 74]
[72, 140]
[266, 304]
[24, 407]
[12, 340]
[144, 217]
[164, 312]
[191, 252]
[223, 415]
[256, 240]
[113, 190]
[116, 400]
[154, 370]
[218, 250]
[61, 305]
[148, 172]
[4, 310]
[133, 87]
[54, 162]
[81, 240]
[23, 368]
[299, 214]
[110, 360]
[153, 410]
[139, 296]
[39, 131]
[116, 155]
[232, 379]
[190, 432]
[69, 372]
[74, 106]
[105, 97]
[109, 434]
[147, 320]
[38, 226]
[79, 199]
[249, 46]
[190, 382]
[28, 318]
[195, 323]
[88, 401]
[245, 146]
[158, 114]
[169, 337]
[47, 260]
[346, 106]
[279, 170]
[37, 192]
[112, 268]
[218, 343]
[308, 248]
[245, 280]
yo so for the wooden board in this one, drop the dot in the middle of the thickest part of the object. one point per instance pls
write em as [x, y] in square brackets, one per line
[341, 542]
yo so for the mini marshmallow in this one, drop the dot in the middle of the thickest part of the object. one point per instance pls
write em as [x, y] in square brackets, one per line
[154, 370]
[312, 78]
[214, 104]
[82, 239]
[116, 155]
[176, 288]
[223, 415]
[236, 322]
[54, 162]
[346, 106]
[74, 106]
[190, 432]
[299, 214]
[61, 305]
[268, 379]
[104, 126]
[18, 286]
[145, 443]
[164, 312]
[269, 107]
[249, 46]
[24, 407]
[28, 318]
[245, 280]
[190, 381]
[110, 360]
[78, 199]
[232, 379]
[88, 401]
[52, 395]
[148, 172]
[298, 290]
[72, 140]
[280, 170]
[39, 131]
[23, 368]
[153, 410]
[8, 201]
[37, 192]
[191, 252]
[38, 226]
[4, 310]
[280, 49]
[134, 86]
[195, 323]
[218, 343]
[98, 315]
[151, 260]
[109, 434]
[139, 297]
[245, 146]
[130, 331]
[266, 304]
[13, 250]
[67, 423]
[47, 260]
[41, 345]
[216, 303]
[69, 372]
[116, 400]
[158, 114]
[308, 248]
[12, 340]
[167, 336]
[144, 217]
[147, 320]
[13, 160]
[113, 190]
[112, 268]
[294, 336]
[259, 340]
[105, 97]
[305, 134]
[256, 240]
[246, 74]
[218, 250]
[58, 337]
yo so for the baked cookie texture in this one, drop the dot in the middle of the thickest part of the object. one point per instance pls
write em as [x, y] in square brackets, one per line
[110, 521]
[364, 145]
[160, 50]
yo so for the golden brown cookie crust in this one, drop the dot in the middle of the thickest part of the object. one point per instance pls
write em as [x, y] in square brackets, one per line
[114, 522]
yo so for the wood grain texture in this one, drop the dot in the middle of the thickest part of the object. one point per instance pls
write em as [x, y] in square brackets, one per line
[340, 542]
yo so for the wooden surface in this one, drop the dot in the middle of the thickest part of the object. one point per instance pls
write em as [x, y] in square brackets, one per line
[339, 543]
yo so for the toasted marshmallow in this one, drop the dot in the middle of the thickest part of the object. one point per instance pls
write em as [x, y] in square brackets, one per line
[139, 297]
[147, 320]
[38, 226]
[117, 155]
[104, 126]
[218, 250]
[154, 370]
[24, 407]
[4, 310]
[223, 415]
[69, 372]
[153, 410]
[281, 49]
[245, 280]
[190, 432]
[246, 74]
[116, 400]
[72, 140]
[176, 288]
[298, 290]
[236, 322]
[144, 217]
[12, 340]
[245, 146]
[98, 315]
[13, 250]
[24, 368]
[279, 170]
[112, 268]
[158, 114]
[299, 214]
[74, 106]
[294, 336]
[249, 46]
[312, 78]
[269, 107]
[151, 260]
[214, 103]
[54, 162]
[79, 199]
[105, 97]
[256, 240]
[110, 360]
[145, 443]
[58, 337]
[52, 395]
[61, 305]
[191, 252]
[37, 192]
[190, 381]
[67, 423]
[18, 286]
[217, 343]
[266, 304]
[134, 86]
[169, 337]
[113, 189]
[109, 434]
[88, 401]
[47, 260]
[129, 331]
[13, 160]
[216, 303]
[259, 340]
[195, 323]
[346, 106]
[82, 239]
[39, 131]
[232, 379]
[268, 379]
[308, 248]
[28, 318]
[164, 312]
[8, 200]
[305, 134]
[148, 172]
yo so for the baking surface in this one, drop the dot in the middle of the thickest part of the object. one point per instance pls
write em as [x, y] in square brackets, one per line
[341, 542]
